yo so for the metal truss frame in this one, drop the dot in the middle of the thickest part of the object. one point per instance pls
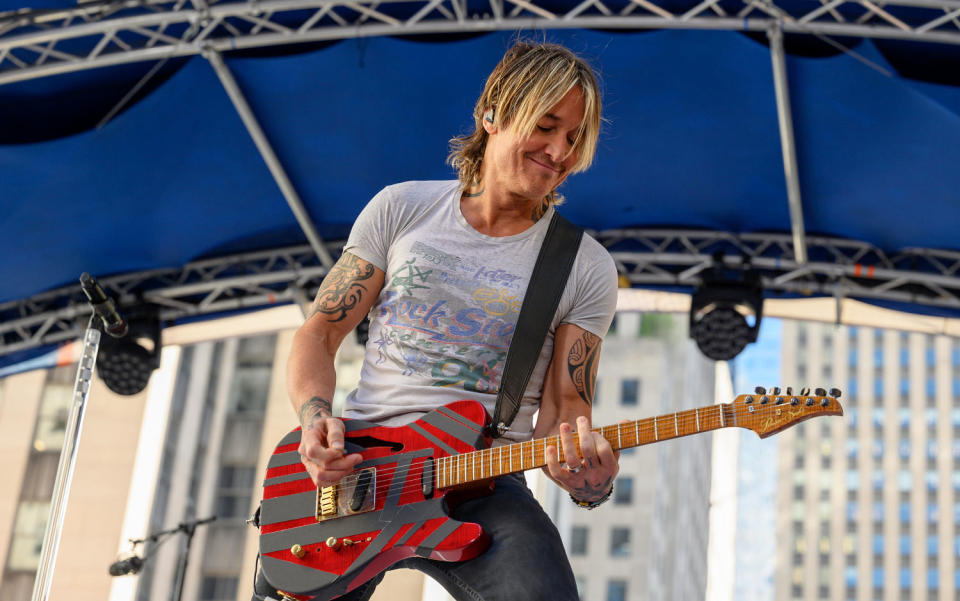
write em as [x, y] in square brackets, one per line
[97, 34]
[645, 257]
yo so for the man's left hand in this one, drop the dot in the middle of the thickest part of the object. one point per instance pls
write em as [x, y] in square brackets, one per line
[587, 475]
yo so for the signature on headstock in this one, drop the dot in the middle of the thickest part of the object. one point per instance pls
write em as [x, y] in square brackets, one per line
[768, 412]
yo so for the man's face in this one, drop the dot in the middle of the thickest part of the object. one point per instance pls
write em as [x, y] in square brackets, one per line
[534, 167]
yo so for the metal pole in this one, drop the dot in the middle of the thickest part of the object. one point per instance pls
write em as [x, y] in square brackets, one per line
[269, 156]
[785, 118]
[68, 461]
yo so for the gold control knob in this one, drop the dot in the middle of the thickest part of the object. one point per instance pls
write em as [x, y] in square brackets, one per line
[333, 543]
[298, 551]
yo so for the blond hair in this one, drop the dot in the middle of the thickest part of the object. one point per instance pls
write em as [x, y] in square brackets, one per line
[529, 80]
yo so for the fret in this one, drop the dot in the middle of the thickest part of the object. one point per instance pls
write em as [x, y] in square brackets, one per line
[473, 468]
[697, 411]
[442, 474]
[511, 458]
[619, 438]
[521, 456]
[656, 435]
[722, 425]
[500, 461]
[636, 431]
[676, 425]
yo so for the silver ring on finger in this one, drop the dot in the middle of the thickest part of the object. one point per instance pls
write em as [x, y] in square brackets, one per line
[574, 470]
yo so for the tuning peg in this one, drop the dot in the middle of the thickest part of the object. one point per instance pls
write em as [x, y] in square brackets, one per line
[760, 390]
[805, 391]
[835, 393]
[789, 391]
[775, 391]
[794, 401]
[810, 402]
[825, 402]
[821, 392]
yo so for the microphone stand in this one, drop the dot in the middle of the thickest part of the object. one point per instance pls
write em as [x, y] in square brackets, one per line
[188, 528]
[67, 463]
[103, 308]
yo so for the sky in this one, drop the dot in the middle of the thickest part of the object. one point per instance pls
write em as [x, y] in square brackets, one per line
[757, 365]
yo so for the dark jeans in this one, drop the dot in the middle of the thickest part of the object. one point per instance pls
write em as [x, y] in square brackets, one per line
[525, 562]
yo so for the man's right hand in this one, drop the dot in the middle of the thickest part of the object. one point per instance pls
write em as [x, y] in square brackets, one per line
[322, 451]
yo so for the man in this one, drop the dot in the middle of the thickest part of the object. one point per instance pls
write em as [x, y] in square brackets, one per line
[441, 268]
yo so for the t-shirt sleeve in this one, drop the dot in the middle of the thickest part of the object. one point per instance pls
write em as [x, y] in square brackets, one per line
[595, 290]
[373, 231]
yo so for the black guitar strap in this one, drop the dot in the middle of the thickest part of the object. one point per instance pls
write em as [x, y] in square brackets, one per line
[550, 273]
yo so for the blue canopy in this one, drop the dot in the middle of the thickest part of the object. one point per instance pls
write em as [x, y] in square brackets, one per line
[691, 141]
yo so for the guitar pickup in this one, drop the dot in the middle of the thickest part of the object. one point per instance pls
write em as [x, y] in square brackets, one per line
[354, 493]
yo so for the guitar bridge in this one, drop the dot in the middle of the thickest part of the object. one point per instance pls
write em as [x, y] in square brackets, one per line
[354, 493]
[327, 502]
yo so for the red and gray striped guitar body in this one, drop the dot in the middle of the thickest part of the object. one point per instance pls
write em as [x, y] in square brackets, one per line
[394, 504]
[389, 509]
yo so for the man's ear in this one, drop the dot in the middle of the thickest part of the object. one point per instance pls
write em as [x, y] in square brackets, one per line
[489, 121]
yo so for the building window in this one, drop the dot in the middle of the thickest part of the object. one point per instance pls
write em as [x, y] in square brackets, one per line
[629, 391]
[620, 542]
[27, 540]
[235, 491]
[623, 492]
[578, 540]
[617, 590]
[216, 588]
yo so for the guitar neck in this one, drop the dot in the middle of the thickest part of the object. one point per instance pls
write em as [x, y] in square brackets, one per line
[456, 470]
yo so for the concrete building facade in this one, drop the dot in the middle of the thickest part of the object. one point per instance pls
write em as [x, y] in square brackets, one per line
[870, 503]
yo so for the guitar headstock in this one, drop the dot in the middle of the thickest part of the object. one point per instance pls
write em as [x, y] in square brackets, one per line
[768, 412]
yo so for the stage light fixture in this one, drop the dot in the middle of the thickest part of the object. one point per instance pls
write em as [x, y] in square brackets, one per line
[720, 309]
[126, 364]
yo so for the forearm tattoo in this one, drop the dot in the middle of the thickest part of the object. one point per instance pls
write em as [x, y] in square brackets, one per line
[342, 289]
[582, 365]
[589, 492]
[316, 407]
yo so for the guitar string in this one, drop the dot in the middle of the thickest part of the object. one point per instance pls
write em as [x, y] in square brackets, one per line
[539, 445]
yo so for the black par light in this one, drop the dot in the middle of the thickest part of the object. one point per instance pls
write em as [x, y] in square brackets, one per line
[720, 309]
[126, 364]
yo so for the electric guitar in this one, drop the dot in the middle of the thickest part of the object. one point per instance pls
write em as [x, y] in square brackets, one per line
[318, 544]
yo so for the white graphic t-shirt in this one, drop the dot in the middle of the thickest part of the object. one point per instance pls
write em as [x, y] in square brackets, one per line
[441, 326]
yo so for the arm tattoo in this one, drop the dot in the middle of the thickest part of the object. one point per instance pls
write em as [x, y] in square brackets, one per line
[342, 289]
[312, 409]
[582, 365]
[588, 492]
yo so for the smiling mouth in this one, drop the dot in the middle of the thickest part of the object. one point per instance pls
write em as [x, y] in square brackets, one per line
[546, 166]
